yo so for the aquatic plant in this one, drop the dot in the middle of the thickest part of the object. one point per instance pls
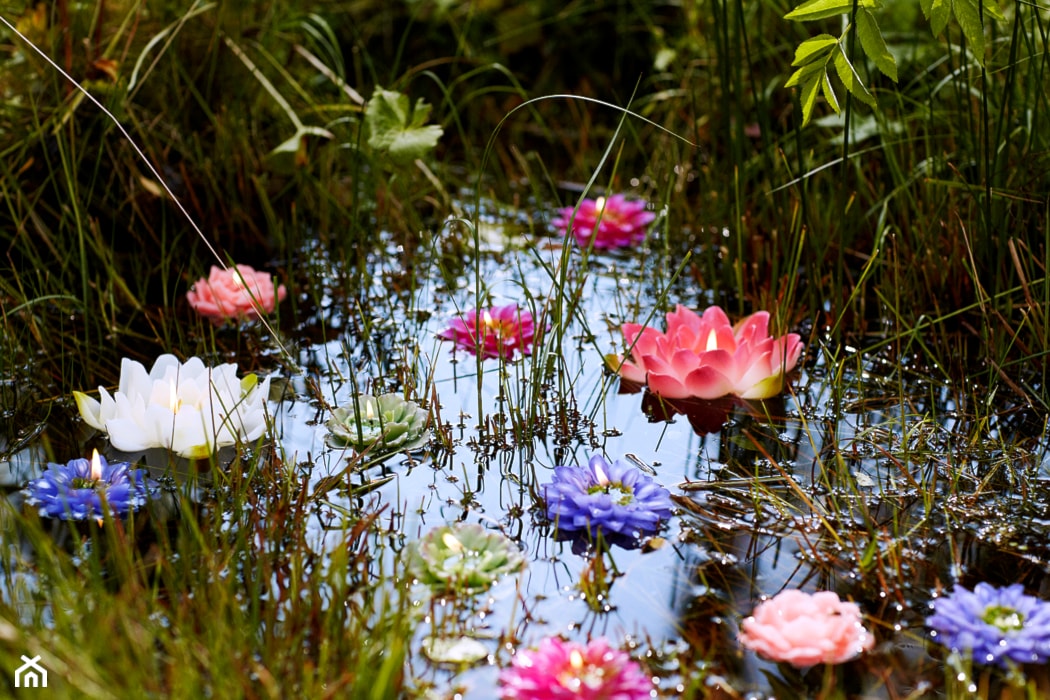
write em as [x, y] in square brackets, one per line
[234, 294]
[804, 629]
[384, 423]
[993, 625]
[706, 357]
[188, 408]
[463, 557]
[613, 222]
[615, 498]
[560, 670]
[84, 489]
[499, 331]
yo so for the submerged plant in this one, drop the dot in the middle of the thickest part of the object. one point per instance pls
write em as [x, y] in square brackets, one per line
[463, 557]
[993, 625]
[613, 498]
[616, 222]
[85, 489]
[188, 408]
[235, 294]
[706, 357]
[804, 629]
[560, 670]
[384, 423]
[500, 331]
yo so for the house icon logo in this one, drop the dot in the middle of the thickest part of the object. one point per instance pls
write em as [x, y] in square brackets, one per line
[31, 674]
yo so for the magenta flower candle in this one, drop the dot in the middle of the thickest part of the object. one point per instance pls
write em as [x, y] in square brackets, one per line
[499, 331]
[559, 670]
[235, 294]
[707, 357]
[805, 629]
[616, 222]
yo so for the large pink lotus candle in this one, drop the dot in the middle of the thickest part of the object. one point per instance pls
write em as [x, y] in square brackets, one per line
[613, 222]
[560, 670]
[805, 629]
[234, 294]
[707, 357]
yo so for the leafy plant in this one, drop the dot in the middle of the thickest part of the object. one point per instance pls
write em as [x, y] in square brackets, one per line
[397, 128]
[817, 56]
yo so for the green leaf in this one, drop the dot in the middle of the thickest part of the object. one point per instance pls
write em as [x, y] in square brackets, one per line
[850, 79]
[822, 9]
[969, 15]
[809, 96]
[397, 129]
[992, 10]
[938, 12]
[874, 45]
[803, 74]
[813, 49]
[829, 92]
[291, 154]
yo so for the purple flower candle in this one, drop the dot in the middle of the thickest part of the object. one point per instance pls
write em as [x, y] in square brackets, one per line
[83, 489]
[614, 498]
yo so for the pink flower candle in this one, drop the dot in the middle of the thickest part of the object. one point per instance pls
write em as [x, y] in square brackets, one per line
[706, 357]
[615, 222]
[805, 629]
[235, 293]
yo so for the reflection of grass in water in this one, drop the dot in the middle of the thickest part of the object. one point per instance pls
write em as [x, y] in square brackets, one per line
[924, 245]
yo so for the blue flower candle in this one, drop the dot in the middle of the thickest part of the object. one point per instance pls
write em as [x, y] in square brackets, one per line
[615, 498]
[993, 625]
[83, 489]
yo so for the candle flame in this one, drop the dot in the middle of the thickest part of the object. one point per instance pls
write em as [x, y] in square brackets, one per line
[486, 318]
[96, 466]
[600, 475]
[173, 397]
[712, 340]
[576, 659]
[599, 204]
[370, 413]
[451, 542]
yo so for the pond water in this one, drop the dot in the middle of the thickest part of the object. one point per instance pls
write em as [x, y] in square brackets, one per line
[864, 478]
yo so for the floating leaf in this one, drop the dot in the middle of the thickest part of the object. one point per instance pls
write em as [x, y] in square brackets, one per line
[397, 128]
[454, 650]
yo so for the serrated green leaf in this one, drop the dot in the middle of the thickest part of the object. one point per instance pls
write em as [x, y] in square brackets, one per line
[822, 9]
[800, 76]
[991, 8]
[829, 92]
[968, 13]
[809, 96]
[938, 12]
[397, 129]
[850, 79]
[814, 49]
[874, 44]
